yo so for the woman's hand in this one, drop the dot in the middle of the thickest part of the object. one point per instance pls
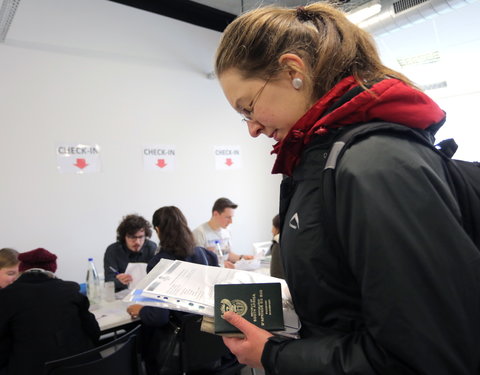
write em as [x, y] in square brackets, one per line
[249, 349]
[124, 278]
[134, 310]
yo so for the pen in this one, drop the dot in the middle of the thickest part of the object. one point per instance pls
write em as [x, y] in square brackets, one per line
[114, 270]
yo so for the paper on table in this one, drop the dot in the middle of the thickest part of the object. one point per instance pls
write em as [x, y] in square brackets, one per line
[248, 264]
[260, 249]
[138, 271]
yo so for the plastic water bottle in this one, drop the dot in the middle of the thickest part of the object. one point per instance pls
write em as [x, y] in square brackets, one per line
[93, 283]
[219, 252]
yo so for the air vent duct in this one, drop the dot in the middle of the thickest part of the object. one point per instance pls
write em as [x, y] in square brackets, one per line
[7, 11]
[402, 13]
[402, 5]
[434, 86]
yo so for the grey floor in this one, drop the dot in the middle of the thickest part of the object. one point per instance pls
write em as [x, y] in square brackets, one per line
[248, 371]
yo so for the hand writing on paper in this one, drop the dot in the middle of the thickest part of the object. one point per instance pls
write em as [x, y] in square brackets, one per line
[228, 264]
[235, 257]
[124, 278]
[249, 349]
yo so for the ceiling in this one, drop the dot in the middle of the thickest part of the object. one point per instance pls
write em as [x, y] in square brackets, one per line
[216, 14]
[238, 6]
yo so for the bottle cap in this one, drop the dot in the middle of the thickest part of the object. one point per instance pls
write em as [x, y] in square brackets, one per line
[90, 259]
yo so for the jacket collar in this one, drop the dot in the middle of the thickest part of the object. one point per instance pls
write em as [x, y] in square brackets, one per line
[389, 100]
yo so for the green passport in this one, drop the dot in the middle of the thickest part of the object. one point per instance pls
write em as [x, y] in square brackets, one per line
[259, 303]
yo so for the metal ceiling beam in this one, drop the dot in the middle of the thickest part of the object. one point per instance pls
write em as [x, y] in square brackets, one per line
[184, 10]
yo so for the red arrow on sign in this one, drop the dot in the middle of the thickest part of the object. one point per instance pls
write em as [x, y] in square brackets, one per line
[229, 162]
[81, 163]
[161, 163]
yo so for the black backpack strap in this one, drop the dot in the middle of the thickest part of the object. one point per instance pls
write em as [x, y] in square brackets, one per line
[346, 137]
[463, 177]
[465, 183]
[447, 147]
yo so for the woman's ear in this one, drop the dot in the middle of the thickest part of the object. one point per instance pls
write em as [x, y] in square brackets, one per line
[294, 64]
[157, 229]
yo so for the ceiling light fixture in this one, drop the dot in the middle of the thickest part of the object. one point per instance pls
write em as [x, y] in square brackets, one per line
[7, 12]
[364, 12]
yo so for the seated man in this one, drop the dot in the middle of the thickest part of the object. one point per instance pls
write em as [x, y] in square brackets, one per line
[207, 234]
[132, 246]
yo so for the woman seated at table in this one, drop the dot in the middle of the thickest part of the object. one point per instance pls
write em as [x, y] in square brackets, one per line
[8, 266]
[176, 243]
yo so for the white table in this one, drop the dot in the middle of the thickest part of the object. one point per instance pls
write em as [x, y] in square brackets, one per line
[256, 265]
[112, 315]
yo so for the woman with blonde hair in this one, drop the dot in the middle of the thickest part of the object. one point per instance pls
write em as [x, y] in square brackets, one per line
[8, 266]
[393, 288]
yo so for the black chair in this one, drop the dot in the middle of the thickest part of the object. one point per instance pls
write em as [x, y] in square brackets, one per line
[120, 356]
[204, 353]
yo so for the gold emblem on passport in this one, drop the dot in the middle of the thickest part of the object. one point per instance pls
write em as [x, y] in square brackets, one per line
[236, 305]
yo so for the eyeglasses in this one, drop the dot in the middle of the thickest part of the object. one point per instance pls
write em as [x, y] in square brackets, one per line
[134, 238]
[247, 113]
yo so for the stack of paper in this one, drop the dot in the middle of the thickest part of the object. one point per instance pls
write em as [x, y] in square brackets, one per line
[189, 287]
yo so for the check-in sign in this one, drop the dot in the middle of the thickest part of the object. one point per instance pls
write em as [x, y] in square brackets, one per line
[78, 158]
[227, 157]
[159, 158]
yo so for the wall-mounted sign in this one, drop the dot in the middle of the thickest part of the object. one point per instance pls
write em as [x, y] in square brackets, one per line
[159, 158]
[78, 158]
[227, 157]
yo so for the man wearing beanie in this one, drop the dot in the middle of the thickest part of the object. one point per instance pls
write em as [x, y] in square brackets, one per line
[42, 318]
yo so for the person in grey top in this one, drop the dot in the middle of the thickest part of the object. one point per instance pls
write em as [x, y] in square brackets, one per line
[216, 231]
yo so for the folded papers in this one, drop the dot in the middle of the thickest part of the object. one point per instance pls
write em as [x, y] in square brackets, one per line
[190, 287]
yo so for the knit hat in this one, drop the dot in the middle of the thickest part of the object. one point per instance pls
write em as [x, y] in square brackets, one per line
[38, 258]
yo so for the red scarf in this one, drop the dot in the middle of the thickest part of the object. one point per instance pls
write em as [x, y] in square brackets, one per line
[393, 101]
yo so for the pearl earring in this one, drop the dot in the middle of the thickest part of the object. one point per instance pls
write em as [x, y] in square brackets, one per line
[297, 83]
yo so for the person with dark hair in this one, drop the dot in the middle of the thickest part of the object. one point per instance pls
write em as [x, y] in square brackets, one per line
[389, 282]
[132, 246]
[176, 243]
[216, 231]
[8, 266]
[42, 318]
[276, 264]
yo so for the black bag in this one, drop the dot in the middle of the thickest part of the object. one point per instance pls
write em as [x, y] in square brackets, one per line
[162, 349]
[464, 176]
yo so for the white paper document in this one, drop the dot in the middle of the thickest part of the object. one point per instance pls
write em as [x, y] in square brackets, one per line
[189, 287]
[138, 271]
[248, 264]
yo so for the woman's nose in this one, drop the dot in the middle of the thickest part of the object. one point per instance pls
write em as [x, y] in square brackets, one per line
[254, 128]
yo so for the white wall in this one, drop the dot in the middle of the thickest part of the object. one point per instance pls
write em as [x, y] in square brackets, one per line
[94, 71]
[455, 35]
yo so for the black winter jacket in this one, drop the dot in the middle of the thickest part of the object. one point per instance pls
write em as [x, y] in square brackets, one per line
[402, 294]
[43, 319]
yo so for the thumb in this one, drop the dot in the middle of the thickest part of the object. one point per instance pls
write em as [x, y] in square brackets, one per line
[236, 320]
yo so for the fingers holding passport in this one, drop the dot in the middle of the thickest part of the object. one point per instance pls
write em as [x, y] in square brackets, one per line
[249, 349]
